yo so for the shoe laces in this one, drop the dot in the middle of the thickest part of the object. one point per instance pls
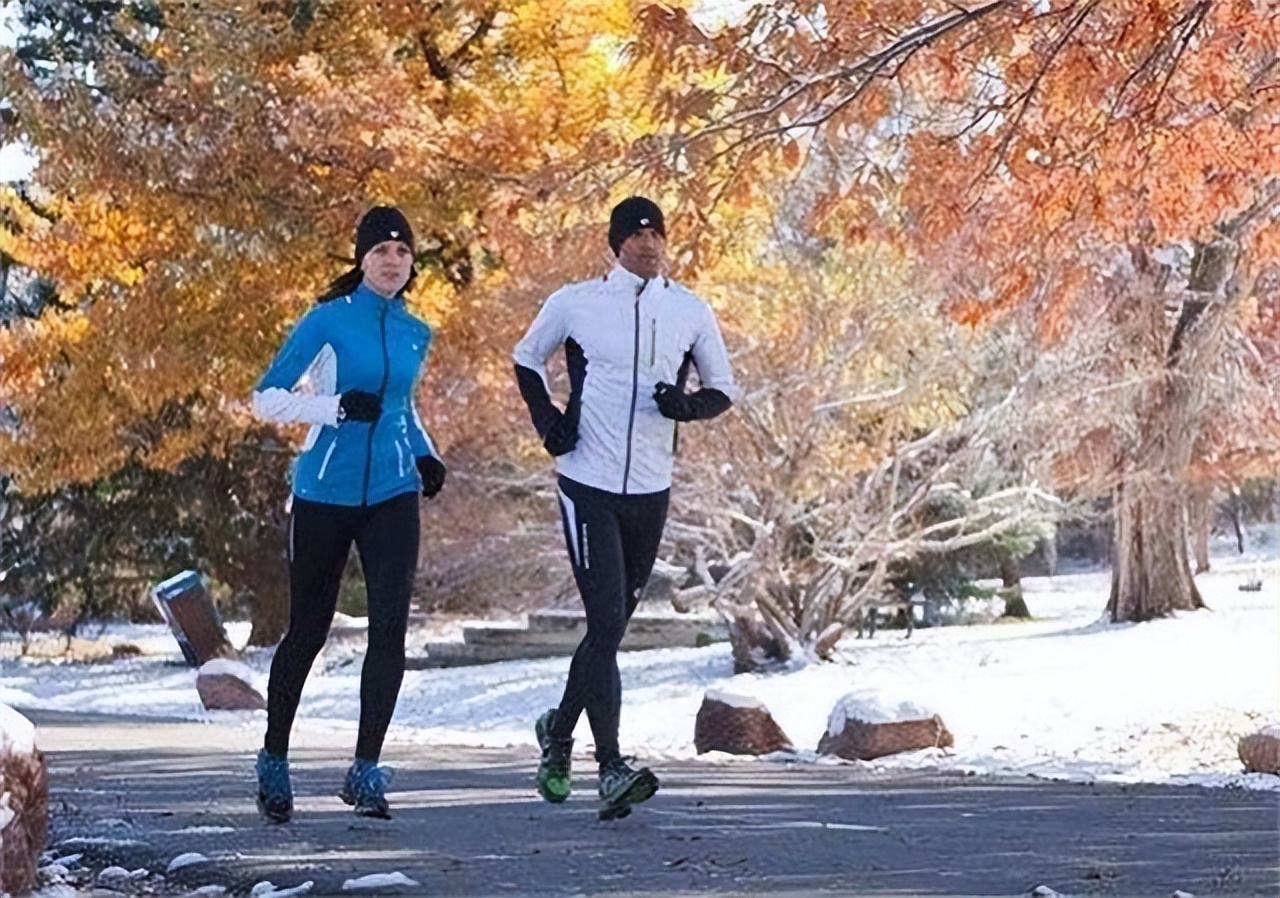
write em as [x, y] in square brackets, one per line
[368, 780]
[617, 767]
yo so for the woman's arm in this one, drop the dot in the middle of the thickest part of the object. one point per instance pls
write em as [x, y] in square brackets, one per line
[305, 355]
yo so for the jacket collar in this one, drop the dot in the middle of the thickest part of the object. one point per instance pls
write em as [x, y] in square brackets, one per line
[362, 294]
[619, 277]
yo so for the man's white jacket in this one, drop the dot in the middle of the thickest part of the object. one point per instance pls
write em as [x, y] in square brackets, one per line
[633, 333]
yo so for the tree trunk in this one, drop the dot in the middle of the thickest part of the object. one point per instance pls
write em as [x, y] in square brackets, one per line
[1050, 544]
[1201, 514]
[1151, 573]
[270, 618]
[1015, 605]
[1152, 576]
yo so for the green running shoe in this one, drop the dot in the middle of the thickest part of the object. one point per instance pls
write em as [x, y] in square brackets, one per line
[554, 770]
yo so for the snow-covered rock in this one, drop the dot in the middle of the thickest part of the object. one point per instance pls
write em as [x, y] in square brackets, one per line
[1260, 752]
[226, 685]
[863, 731]
[737, 724]
[24, 803]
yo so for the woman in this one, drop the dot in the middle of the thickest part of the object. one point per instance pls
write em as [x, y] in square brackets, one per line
[349, 369]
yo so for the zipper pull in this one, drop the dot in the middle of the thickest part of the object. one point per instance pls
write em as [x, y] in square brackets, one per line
[653, 340]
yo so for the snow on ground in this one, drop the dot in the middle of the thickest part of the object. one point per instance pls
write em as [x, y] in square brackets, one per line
[1067, 695]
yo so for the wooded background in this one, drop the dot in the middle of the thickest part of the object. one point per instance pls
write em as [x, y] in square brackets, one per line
[986, 271]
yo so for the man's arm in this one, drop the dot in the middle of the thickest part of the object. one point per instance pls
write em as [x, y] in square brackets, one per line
[545, 335]
[718, 387]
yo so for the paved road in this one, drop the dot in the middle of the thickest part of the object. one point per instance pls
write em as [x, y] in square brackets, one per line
[138, 793]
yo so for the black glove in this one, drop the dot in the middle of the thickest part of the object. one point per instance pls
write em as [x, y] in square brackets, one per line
[359, 405]
[561, 436]
[673, 402]
[433, 471]
[559, 430]
[676, 404]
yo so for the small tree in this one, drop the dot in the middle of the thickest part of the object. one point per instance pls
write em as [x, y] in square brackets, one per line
[858, 413]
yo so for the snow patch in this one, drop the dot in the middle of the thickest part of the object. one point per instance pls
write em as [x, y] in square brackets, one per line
[734, 700]
[378, 881]
[185, 860]
[203, 830]
[870, 710]
[266, 889]
[1034, 698]
[227, 667]
[17, 734]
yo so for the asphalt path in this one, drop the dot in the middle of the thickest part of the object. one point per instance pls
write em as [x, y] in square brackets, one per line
[136, 793]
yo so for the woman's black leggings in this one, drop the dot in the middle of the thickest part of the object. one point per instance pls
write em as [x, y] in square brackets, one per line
[613, 541]
[320, 538]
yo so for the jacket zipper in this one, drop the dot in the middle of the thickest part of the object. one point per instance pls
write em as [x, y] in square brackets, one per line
[653, 340]
[635, 389]
[386, 364]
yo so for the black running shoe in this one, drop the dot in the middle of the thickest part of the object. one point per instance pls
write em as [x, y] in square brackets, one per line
[622, 787]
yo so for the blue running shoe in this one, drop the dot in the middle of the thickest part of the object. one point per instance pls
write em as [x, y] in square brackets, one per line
[365, 789]
[275, 794]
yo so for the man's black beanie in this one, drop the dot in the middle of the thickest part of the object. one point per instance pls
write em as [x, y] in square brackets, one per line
[380, 224]
[633, 214]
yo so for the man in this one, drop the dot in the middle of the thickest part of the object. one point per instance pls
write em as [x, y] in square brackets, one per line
[629, 339]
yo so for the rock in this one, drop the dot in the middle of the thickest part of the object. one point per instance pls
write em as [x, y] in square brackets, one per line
[24, 803]
[225, 686]
[862, 732]
[737, 725]
[1261, 751]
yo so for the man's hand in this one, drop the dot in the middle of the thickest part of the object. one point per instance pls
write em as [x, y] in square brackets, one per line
[562, 436]
[433, 472]
[360, 405]
[674, 403]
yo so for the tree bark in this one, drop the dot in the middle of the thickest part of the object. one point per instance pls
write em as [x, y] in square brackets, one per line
[1152, 576]
[1201, 515]
[270, 619]
[1015, 605]
[1152, 573]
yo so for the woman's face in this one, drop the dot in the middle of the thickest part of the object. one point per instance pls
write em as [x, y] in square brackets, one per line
[386, 267]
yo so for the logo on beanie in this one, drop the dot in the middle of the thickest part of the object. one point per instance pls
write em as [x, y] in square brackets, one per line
[644, 222]
[395, 235]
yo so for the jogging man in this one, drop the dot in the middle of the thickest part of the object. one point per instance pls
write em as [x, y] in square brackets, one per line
[629, 340]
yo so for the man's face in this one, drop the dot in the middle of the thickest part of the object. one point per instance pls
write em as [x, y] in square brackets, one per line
[386, 267]
[643, 253]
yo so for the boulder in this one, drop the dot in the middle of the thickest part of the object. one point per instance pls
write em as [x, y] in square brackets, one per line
[24, 803]
[860, 731]
[226, 686]
[738, 725]
[1260, 752]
